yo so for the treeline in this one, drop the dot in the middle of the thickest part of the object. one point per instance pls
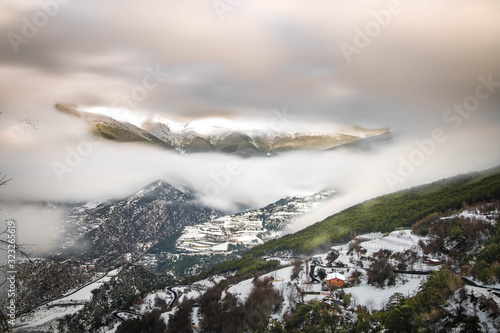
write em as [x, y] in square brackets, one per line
[222, 311]
[469, 245]
[430, 310]
[241, 266]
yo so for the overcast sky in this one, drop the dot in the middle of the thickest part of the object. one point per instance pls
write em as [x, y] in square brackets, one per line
[324, 61]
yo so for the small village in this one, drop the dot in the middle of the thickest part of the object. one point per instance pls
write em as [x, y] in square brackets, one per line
[342, 276]
[247, 229]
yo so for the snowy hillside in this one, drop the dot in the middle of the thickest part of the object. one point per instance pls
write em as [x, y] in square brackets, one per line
[69, 304]
[125, 230]
[248, 228]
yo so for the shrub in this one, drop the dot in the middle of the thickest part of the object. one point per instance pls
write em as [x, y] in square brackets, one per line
[380, 272]
[297, 266]
[332, 256]
[262, 302]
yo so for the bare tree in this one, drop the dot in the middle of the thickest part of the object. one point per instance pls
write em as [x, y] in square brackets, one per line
[4, 181]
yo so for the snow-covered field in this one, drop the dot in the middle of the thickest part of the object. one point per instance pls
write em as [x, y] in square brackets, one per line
[375, 299]
[399, 241]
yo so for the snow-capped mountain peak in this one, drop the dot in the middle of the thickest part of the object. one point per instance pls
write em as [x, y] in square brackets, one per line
[216, 134]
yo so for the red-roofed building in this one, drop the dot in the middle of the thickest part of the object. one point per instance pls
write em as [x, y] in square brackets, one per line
[335, 280]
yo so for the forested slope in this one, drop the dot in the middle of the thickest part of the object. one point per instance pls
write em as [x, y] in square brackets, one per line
[385, 213]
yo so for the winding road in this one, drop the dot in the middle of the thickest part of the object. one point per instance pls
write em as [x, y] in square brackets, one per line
[176, 296]
[116, 314]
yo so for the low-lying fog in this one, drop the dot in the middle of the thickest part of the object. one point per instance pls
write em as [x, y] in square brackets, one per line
[47, 167]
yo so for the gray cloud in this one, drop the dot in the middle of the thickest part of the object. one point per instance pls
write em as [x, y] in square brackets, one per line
[261, 55]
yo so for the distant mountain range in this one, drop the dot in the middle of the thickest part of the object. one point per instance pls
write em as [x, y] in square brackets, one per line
[190, 139]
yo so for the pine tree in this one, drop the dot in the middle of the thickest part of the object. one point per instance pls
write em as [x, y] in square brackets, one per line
[399, 320]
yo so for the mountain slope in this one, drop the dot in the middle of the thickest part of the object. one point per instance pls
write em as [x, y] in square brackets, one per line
[382, 214]
[126, 229]
[111, 129]
[388, 212]
[184, 141]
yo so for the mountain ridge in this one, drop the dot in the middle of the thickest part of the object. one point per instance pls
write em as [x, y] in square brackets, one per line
[123, 230]
[189, 138]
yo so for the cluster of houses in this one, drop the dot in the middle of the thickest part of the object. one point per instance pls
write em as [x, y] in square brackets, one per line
[217, 235]
[249, 228]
